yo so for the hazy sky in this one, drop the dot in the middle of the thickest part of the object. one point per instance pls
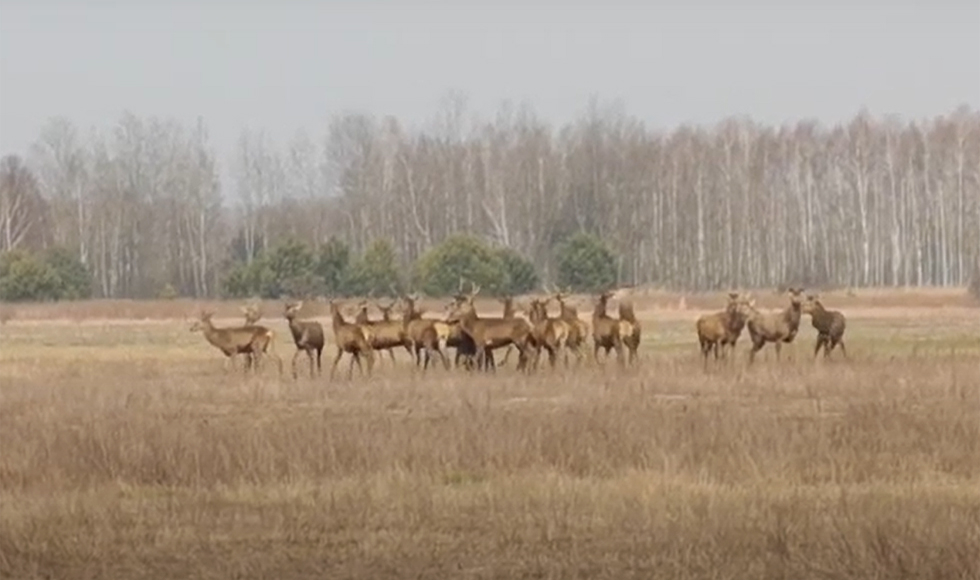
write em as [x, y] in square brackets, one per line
[292, 64]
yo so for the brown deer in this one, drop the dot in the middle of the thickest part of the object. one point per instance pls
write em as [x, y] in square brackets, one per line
[715, 330]
[605, 329]
[350, 339]
[384, 334]
[489, 333]
[775, 327]
[307, 335]
[629, 329]
[830, 326]
[423, 334]
[578, 329]
[252, 340]
[547, 333]
[252, 313]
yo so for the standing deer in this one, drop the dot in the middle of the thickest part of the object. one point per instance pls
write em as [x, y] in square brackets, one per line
[830, 326]
[423, 334]
[547, 333]
[716, 330]
[350, 339]
[307, 335]
[578, 329]
[490, 333]
[253, 341]
[605, 329]
[384, 334]
[775, 327]
[629, 329]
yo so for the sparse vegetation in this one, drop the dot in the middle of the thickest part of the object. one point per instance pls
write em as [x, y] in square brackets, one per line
[128, 453]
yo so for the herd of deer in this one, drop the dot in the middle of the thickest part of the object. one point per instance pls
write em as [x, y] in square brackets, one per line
[722, 329]
[475, 337]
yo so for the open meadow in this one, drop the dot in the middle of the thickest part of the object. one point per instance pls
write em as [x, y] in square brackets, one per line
[128, 451]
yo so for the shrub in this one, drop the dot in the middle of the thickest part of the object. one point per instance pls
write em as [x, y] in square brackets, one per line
[519, 272]
[333, 266]
[439, 270]
[289, 268]
[375, 273]
[586, 264]
[55, 275]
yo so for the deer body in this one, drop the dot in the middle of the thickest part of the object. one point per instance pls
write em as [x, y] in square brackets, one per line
[775, 327]
[629, 330]
[307, 335]
[830, 325]
[605, 330]
[250, 340]
[423, 334]
[719, 329]
[490, 333]
[384, 334]
[577, 329]
[350, 339]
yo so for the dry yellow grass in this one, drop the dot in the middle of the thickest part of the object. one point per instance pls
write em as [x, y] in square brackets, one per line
[126, 452]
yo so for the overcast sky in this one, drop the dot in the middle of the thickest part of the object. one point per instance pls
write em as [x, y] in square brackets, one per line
[291, 64]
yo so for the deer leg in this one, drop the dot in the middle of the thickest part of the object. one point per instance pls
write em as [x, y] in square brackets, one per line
[779, 346]
[333, 369]
[355, 356]
[293, 365]
[309, 355]
[756, 347]
[319, 369]
[842, 349]
[391, 353]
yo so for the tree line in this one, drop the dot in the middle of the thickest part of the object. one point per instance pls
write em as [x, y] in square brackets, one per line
[144, 208]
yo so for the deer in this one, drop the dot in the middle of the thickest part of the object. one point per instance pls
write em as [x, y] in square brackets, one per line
[605, 329]
[252, 313]
[578, 329]
[715, 330]
[250, 340]
[489, 333]
[509, 312]
[776, 327]
[629, 329]
[350, 339]
[422, 333]
[830, 326]
[547, 333]
[463, 344]
[307, 335]
[384, 334]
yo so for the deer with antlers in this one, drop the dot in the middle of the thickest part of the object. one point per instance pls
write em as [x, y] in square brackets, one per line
[349, 338]
[307, 335]
[253, 341]
[489, 333]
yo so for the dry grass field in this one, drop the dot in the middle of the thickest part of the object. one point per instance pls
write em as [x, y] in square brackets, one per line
[126, 451]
